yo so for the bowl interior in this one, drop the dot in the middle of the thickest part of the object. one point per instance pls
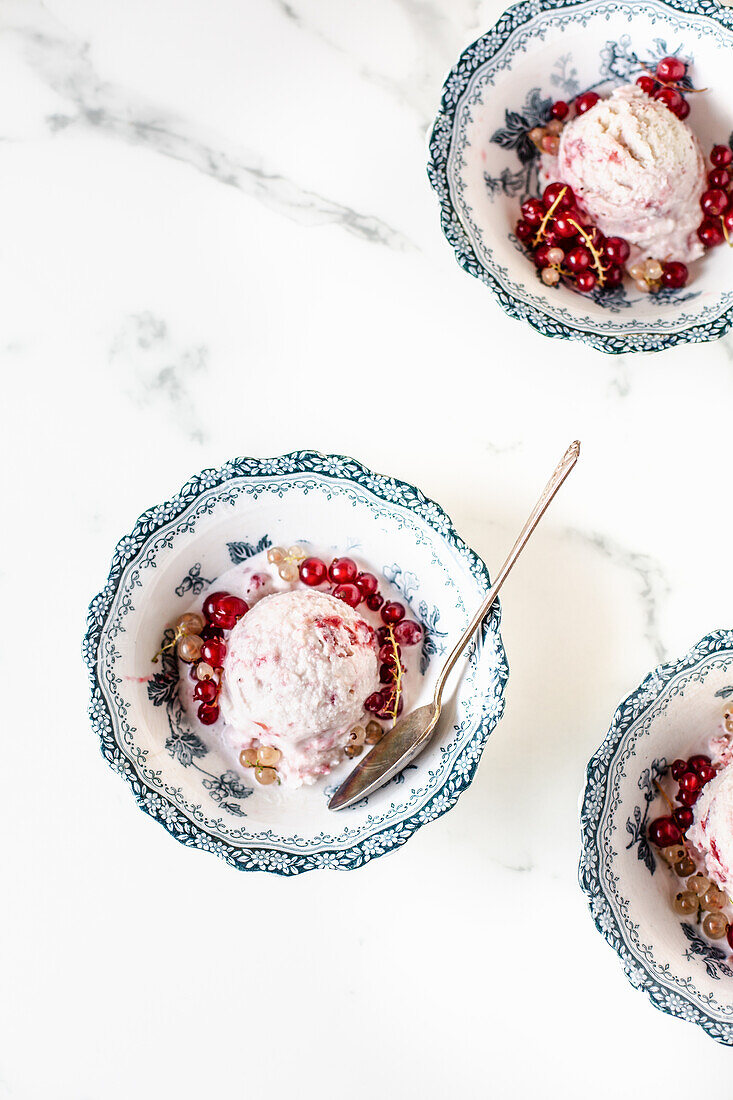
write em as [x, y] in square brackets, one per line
[491, 166]
[673, 714]
[440, 579]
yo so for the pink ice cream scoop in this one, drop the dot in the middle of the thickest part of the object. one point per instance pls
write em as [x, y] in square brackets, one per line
[298, 669]
[637, 171]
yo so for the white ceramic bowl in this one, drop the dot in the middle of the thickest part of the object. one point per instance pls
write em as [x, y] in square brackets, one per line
[181, 546]
[482, 165]
[672, 714]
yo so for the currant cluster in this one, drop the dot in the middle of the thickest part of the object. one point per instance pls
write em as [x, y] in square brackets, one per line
[264, 760]
[565, 247]
[701, 897]
[204, 648]
[665, 86]
[360, 736]
[353, 587]
[717, 202]
[651, 275]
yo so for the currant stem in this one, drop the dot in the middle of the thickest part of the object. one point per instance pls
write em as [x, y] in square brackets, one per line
[398, 681]
[675, 87]
[596, 255]
[169, 645]
[541, 231]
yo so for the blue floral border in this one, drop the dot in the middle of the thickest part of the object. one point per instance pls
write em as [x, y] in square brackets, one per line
[152, 802]
[670, 998]
[484, 49]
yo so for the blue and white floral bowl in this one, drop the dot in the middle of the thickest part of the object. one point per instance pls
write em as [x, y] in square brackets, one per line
[672, 714]
[482, 165]
[176, 550]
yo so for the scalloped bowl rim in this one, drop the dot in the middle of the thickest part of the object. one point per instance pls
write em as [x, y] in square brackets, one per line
[386, 489]
[464, 72]
[592, 803]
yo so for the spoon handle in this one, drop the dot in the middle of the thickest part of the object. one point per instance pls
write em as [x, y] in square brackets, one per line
[561, 472]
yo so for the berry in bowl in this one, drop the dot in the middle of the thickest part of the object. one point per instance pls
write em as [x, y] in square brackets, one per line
[262, 628]
[584, 173]
[657, 828]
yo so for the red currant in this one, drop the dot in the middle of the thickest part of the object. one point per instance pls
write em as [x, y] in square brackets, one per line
[408, 632]
[207, 714]
[386, 652]
[349, 593]
[559, 110]
[553, 238]
[727, 220]
[533, 211]
[669, 97]
[229, 610]
[393, 612]
[342, 571]
[375, 601]
[671, 69]
[386, 712]
[585, 281]
[719, 177]
[584, 102]
[210, 605]
[206, 691]
[678, 768]
[540, 256]
[523, 231]
[713, 202]
[375, 702]
[674, 274]
[578, 259]
[711, 233]
[729, 936]
[211, 631]
[614, 276]
[721, 156]
[682, 110]
[684, 817]
[367, 584]
[387, 672]
[313, 571]
[595, 237]
[690, 782]
[617, 250]
[213, 651]
[566, 224]
[383, 635]
[696, 762]
[553, 191]
[647, 84]
[663, 832]
[688, 798]
[706, 772]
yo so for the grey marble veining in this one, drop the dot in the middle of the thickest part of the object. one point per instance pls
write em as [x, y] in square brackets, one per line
[155, 369]
[651, 583]
[63, 62]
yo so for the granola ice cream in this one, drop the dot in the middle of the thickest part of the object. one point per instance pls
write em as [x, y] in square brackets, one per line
[637, 172]
[297, 671]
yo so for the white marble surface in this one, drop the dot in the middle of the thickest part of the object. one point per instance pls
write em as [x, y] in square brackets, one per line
[218, 239]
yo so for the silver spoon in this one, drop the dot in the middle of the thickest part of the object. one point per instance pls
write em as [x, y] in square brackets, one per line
[410, 735]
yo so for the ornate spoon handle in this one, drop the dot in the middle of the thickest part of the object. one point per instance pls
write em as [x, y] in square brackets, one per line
[561, 472]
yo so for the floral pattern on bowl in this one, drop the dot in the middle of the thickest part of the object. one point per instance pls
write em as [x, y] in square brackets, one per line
[177, 549]
[482, 164]
[671, 714]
